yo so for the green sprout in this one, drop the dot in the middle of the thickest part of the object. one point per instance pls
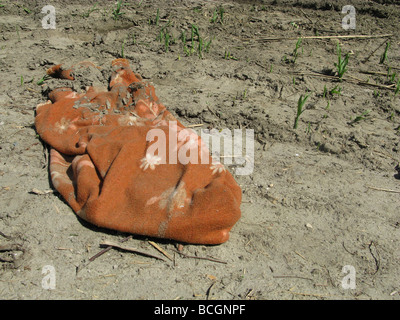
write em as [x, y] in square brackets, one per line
[201, 45]
[165, 36]
[122, 49]
[221, 14]
[92, 9]
[22, 7]
[296, 49]
[218, 13]
[384, 56]
[157, 16]
[300, 109]
[214, 17]
[336, 90]
[360, 117]
[117, 11]
[342, 63]
[229, 56]
[396, 91]
[43, 79]
[155, 21]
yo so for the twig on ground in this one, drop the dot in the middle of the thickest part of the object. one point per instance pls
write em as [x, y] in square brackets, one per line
[41, 192]
[209, 290]
[347, 250]
[383, 189]
[107, 249]
[10, 247]
[367, 58]
[349, 79]
[377, 260]
[165, 253]
[309, 294]
[5, 236]
[130, 249]
[354, 36]
[195, 125]
[296, 277]
[91, 259]
[202, 258]
[386, 155]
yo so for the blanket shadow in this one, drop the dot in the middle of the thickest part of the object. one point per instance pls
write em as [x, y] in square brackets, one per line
[116, 233]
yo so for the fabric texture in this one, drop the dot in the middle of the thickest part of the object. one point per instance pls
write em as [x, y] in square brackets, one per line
[122, 161]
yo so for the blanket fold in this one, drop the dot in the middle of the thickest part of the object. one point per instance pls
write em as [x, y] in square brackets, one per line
[122, 161]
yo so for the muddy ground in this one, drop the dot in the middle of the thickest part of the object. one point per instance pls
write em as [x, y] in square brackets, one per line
[321, 197]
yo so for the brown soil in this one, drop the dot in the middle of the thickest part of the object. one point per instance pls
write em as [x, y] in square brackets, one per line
[319, 196]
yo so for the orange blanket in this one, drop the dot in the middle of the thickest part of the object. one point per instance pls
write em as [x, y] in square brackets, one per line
[123, 162]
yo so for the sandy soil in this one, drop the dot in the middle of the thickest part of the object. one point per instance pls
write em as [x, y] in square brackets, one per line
[318, 199]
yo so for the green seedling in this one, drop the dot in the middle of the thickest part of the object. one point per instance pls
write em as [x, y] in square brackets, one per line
[166, 37]
[336, 90]
[183, 38]
[17, 29]
[229, 56]
[342, 62]
[328, 93]
[116, 13]
[214, 17]
[393, 77]
[201, 45]
[200, 48]
[360, 117]
[93, 9]
[296, 49]
[300, 109]
[241, 95]
[328, 105]
[22, 81]
[218, 13]
[157, 17]
[197, 9]
[43, 79]
[397, 90]
[1, 5]
[207, 46]
[195, 32]
[308, 130]
[185, 47]
[221, 14]
[156, 20]
[24, 8]
[384, 56]
[122, 49]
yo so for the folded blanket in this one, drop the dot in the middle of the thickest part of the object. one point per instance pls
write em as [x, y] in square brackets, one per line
[123, 162]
